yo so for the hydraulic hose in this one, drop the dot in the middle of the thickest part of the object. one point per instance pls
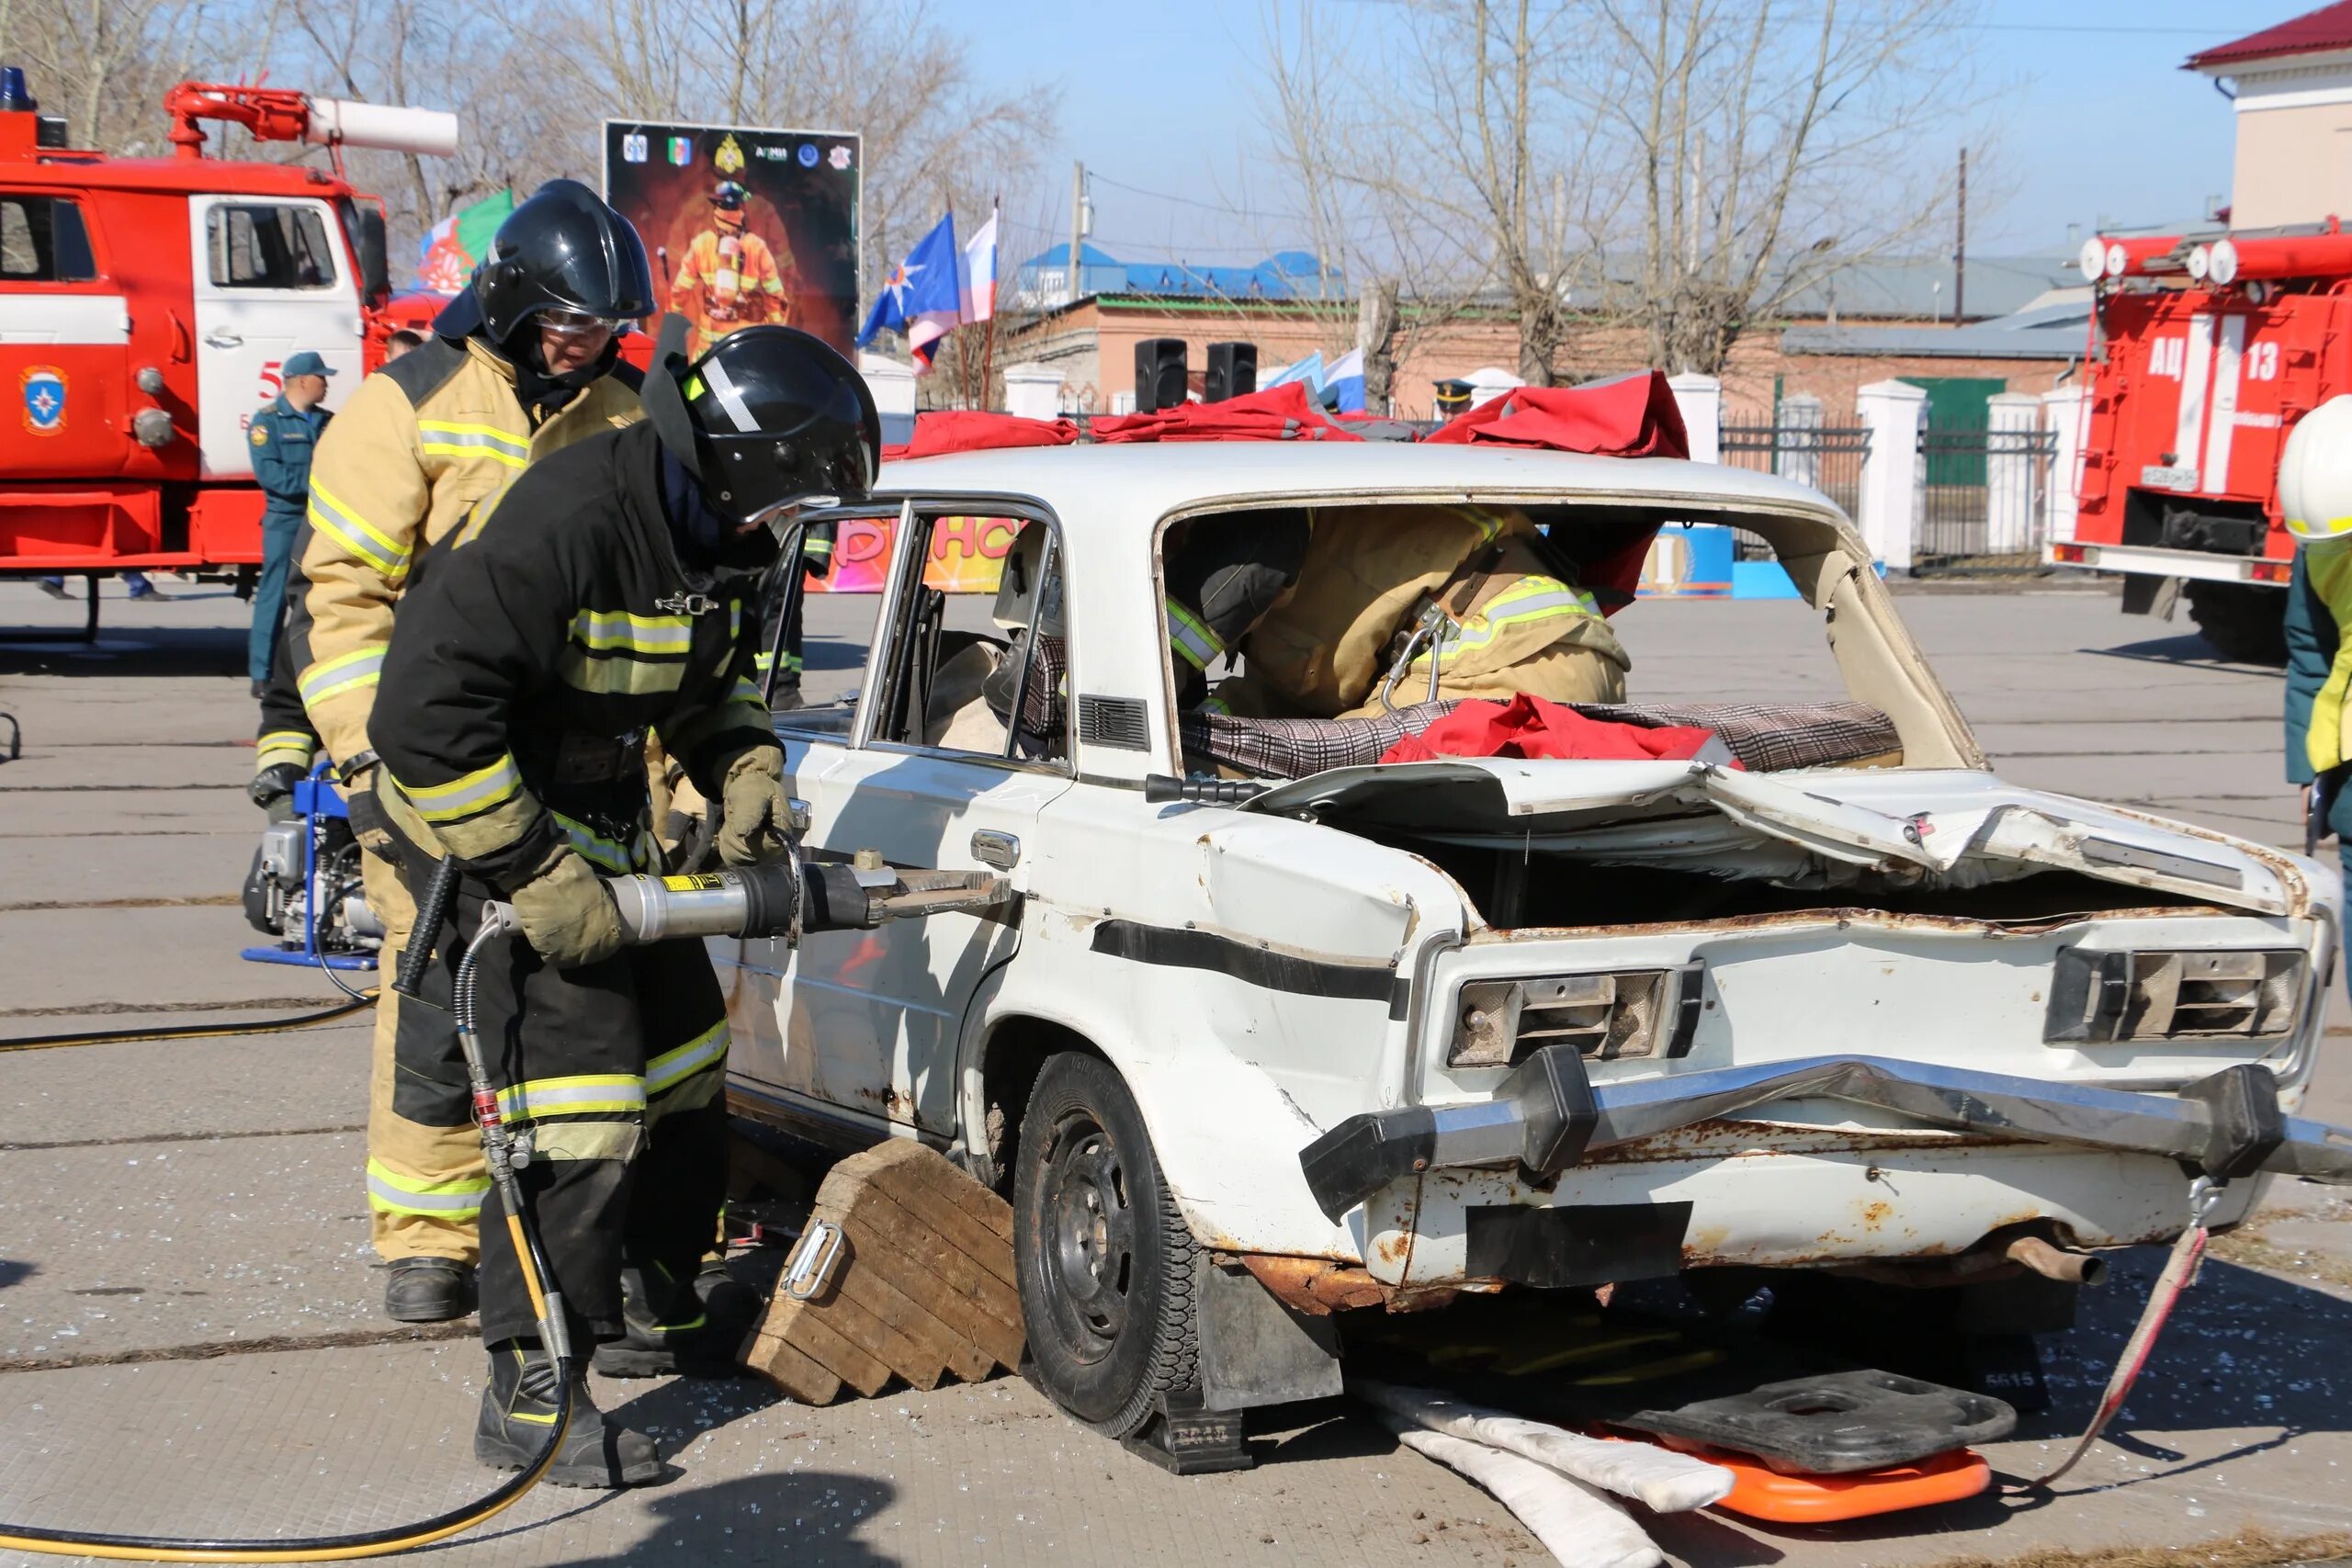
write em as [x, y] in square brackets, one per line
[193, 1031]
[498, 921]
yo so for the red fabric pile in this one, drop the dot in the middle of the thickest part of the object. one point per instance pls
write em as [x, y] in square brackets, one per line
[1279, 414]
[1633, 415]
[1535, 728]
[954, 431]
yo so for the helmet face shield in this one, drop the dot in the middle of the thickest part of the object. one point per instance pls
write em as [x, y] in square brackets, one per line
[563, 253]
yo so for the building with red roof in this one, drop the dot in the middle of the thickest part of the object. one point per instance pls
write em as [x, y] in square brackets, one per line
[2292, 86]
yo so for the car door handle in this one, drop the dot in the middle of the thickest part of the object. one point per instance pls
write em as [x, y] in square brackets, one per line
[991, 847]
[223, 340]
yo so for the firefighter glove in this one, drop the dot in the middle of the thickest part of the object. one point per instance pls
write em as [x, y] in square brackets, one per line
[273, 787]
[369, 823]
[757, 825]
[567, 918]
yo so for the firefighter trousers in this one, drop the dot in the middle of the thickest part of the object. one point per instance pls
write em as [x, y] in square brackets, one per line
[426, 1181]
[610, 1077]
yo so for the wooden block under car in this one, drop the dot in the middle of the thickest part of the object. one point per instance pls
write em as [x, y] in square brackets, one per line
[921, 1286]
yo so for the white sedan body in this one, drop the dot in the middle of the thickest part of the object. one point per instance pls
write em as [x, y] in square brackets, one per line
[1258, 973]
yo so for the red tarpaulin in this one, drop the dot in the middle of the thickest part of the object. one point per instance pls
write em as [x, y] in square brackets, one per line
[954, 431]
[1532, 727]
[1633, 415]
[1279, 414]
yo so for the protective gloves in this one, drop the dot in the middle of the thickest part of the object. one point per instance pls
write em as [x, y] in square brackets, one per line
[272, 789]
[567, 918]
[757, 821]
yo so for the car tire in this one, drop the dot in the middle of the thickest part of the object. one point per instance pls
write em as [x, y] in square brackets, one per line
[1104, 1259]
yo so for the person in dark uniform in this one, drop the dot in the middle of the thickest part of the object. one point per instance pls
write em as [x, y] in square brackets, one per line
[608, 593]
[283, 435]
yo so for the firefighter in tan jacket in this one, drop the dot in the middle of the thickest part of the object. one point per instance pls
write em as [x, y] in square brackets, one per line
[524, 364]
[1401, 604]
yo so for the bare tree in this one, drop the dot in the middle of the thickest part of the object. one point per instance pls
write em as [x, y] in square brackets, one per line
[106, 63]
[1763, 143]
[1684, 167]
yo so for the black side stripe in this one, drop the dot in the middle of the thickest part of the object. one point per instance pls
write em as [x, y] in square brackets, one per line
[1250, 965]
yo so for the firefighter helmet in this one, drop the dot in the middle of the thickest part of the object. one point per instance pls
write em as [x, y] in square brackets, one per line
[2315, 473]
[562, 250]
[769, 417]
[729, 196]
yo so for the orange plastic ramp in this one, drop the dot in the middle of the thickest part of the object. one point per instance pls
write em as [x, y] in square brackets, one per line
[1762, 1493]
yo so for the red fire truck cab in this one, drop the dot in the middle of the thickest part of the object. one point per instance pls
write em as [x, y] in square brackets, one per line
[2208, 353]
[146, 306]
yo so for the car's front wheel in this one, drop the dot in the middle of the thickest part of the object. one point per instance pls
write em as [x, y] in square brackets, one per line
[1105, 1263]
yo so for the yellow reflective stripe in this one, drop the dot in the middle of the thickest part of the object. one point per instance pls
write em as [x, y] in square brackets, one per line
[355, 533]
[587, 1094]
[283, 745]
[344, 673]
[617, 629]
[673, 1068]
[466, 795]
[391, 1192]
[586, 1140]
[820, 549]
[624, 673]
[1218, 706]
[1490, 524]
[1191, 637]
[443, 438]
[609, 854]
[1530, 599]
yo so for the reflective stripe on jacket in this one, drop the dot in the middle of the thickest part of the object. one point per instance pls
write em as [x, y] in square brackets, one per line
[418, 445]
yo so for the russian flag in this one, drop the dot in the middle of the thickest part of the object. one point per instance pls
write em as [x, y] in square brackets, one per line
[978, 301]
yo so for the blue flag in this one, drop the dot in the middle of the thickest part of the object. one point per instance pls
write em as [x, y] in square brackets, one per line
[918, 298]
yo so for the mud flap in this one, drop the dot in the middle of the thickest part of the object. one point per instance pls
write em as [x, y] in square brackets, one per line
[1185, 1437]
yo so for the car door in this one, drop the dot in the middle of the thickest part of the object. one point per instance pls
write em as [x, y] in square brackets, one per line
[271, 277]
[867, 1023]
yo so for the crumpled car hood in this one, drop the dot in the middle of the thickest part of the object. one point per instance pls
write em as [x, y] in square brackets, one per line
[1956, 828]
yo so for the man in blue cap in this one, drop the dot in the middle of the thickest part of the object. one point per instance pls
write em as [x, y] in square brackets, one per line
[283, 435]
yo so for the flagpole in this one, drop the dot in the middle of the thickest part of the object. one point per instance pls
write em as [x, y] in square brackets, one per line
[987, 341]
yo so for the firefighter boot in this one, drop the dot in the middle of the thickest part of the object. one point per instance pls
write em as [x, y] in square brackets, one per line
[519, 1406]
[731, 1305]
[428, 1290]
[667, 1331]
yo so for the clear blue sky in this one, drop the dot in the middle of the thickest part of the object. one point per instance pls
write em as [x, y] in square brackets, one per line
[2094, 124]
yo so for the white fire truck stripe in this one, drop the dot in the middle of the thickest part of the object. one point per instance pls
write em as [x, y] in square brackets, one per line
[2189, 430]
[82, 320]
[2214, 476]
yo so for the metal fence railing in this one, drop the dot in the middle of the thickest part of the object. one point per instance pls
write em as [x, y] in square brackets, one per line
[1799, 447]
[1983, 499]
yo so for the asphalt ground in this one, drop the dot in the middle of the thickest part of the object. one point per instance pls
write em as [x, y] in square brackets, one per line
[189, 1339]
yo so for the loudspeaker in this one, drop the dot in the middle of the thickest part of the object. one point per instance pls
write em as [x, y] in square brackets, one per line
[1233, 372]
[1159, 374]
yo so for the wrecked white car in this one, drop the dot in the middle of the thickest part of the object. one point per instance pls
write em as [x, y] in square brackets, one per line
[1828, 995]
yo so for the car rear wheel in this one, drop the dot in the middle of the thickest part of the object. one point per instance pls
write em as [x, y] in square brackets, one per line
[2242, 623]
[1104, 1260]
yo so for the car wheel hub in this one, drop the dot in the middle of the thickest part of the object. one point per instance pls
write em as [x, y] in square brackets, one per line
[1093, 1236]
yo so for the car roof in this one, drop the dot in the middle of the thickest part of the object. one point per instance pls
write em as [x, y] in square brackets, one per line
[1120, 484]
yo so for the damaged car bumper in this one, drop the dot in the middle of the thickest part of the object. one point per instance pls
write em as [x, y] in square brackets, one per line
[1550, 1116]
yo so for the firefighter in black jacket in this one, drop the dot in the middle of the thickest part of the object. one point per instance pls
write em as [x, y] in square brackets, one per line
[607, 592]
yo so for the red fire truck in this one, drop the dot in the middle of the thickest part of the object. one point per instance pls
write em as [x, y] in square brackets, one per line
[2207, 352]
[145, 306]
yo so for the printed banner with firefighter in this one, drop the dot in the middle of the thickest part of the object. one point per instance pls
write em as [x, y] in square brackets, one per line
[743, 225]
